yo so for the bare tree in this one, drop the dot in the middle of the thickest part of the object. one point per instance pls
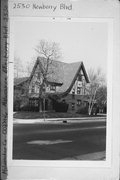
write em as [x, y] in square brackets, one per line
[20, 70]
[18, 67]
[29, 66]
[50, 51]
[101, 97]
[97, 80]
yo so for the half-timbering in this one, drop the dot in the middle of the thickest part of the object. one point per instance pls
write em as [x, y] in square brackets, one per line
[66, 86]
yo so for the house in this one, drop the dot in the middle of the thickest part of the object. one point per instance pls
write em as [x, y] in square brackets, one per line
[20, 92]
[66, 84]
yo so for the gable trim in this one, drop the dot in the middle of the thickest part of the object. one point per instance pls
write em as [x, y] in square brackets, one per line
[74, 79]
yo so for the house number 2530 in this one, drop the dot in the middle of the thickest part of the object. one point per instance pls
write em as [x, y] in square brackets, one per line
[21, 6]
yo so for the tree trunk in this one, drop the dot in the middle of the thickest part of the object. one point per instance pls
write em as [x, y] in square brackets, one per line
[91, 103]
[41, 98]
[40, 105]
[44, 108]
[44, 100]
[89, 110]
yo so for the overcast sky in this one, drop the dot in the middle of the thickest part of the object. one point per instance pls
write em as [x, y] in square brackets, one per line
[79, 41]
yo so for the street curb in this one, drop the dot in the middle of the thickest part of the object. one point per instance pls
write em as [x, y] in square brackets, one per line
[64, 120]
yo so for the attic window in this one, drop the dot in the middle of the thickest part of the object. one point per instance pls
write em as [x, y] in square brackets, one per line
[80, 77]
[33, 89]
[52, 87]
[78, 90]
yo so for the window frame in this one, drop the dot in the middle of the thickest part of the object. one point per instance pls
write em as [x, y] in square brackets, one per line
[73, 106]
[79, 102]
[52, 89]
[79, 91]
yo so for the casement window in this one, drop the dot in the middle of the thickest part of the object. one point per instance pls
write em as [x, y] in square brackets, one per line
[52, 87]
[78, 102]
[78, 90]
[33, 89]
[73, 106]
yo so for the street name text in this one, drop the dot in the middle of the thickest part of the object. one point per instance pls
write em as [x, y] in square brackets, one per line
[43, 6]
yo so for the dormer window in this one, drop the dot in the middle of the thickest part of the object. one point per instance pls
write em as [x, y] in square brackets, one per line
[52, 87]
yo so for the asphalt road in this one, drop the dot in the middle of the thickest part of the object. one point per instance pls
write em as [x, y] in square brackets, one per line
[58, 140]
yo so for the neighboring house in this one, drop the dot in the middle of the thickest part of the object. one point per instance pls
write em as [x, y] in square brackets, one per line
[20, 92]
[67, 84]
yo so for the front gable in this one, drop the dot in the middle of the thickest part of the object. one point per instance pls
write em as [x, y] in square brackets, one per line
[36, 79]
[78, 86]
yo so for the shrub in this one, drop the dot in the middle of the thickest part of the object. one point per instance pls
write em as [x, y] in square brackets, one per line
[83, 110]
[60, 106]
[27, 107]
[17, 104]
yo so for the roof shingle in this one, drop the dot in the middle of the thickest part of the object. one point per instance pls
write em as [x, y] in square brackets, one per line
[18, 81]
[63, 73]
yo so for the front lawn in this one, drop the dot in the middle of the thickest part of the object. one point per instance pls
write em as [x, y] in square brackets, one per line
[38, 115]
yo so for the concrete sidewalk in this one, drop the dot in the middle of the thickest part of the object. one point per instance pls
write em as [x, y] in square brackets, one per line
[91, 156]
[49, 120]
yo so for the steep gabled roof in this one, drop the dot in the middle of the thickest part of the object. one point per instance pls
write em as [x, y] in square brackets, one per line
[69, 72]
[18, 81]
[56, 75]
[64, 73]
